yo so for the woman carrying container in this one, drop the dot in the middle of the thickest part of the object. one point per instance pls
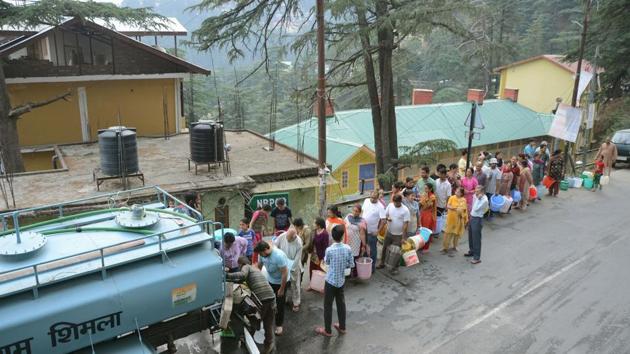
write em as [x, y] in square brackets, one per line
[428, 211]
[525, 180]
[456, 221]
[356, 228]
[316, 247]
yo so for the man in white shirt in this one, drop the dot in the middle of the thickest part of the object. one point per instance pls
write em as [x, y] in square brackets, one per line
[479, 207]
[398, 217]
[373, 212]
[291, 245]
[443, 190]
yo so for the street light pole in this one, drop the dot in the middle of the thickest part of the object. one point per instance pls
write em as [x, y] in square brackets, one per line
[321, 104]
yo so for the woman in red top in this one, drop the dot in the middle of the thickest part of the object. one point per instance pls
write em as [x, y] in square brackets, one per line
[333, 219]
[598, 171]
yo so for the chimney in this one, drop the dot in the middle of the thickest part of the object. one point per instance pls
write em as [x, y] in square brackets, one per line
[330, 109]
[421, 96]
[475, 95]
[510, 94]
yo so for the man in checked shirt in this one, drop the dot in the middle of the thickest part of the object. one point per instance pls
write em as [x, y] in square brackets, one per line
[338, 257]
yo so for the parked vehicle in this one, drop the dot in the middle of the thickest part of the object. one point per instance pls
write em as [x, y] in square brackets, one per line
[622, 140]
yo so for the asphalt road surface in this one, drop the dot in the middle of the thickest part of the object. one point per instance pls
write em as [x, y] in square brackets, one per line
[553, 279]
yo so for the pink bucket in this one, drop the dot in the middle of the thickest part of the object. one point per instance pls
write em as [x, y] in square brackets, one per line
[364, 268]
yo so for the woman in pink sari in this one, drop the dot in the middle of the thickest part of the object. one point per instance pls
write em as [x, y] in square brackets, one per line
[469, 183]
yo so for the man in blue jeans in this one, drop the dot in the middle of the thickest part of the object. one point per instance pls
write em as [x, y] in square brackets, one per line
[374, 214]
[338, 258]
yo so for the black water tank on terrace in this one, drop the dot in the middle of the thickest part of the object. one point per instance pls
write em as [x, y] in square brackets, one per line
[206, 142]
[118, 144]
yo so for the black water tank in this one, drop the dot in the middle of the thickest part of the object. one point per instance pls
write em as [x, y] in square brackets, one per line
[118, 144]
[206, 142]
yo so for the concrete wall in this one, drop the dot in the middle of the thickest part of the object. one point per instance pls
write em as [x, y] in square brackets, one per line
[539, 83]
[302, 203]
[234, 202]
[139, 103]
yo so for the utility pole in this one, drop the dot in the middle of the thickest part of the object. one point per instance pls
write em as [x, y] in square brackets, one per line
[473, 113]
[591, 103]
[321, 104]
[576, 83]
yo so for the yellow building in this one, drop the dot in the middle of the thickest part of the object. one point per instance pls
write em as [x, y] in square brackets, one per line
[540, 81]
[357, 172]
[113, 80]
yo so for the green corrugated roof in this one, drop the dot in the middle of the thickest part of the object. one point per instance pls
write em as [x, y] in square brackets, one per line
[504, 121]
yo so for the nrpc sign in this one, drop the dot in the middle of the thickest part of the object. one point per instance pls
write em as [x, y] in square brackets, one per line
[260, 200]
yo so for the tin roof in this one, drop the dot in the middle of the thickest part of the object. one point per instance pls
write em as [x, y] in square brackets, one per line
[555, 59]
[504, 121]
[167, 26]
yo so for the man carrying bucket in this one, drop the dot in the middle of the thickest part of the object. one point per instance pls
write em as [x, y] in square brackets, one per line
[398, 217]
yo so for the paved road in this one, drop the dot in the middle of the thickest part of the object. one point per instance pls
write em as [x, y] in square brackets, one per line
[554, 279]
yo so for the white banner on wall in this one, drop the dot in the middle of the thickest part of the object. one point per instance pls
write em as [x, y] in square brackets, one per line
[566, 123]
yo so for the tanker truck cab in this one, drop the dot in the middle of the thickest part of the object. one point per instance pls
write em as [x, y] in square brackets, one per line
[116, 278]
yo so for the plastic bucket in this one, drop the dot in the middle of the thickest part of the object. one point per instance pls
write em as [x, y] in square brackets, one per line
[393, 257]
[533, 193]
[541, 190]
[506, 205]
[439, 224]
[547, 181]
[516, 196]
[364, 268]
[588, 174]
[411, 258]
[564, 185]
[318, 280]
[588, 183]
[604, 180]
[576, 182]
[496, 203]
[425, 233]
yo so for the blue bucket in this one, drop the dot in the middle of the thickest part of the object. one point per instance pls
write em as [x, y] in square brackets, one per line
[516, 196]
[496, 203]
[425, 233]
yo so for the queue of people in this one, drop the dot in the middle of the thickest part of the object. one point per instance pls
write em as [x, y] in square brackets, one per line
[451, 202]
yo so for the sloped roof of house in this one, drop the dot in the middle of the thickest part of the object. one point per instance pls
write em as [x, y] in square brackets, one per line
[504, 121]
[555, 59]
[26, 39]
[169, 26]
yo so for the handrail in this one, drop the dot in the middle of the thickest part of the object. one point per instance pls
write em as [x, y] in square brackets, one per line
[102, 249]
[161, 195]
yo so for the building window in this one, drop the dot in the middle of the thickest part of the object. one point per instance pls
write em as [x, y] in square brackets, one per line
[367, 173]
[344, 179]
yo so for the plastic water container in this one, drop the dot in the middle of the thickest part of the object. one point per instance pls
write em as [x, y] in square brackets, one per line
[425, 233]
[588, 174]
[506, 205]
[496, 203]
[541, 190]
[588, 183]
[564, 185]
[418, 241]
[411, 258]
[364, 268]
[604, 180]
[318, 280]
[576, 182]
[516, 196]
[440, 223]
[533, 193]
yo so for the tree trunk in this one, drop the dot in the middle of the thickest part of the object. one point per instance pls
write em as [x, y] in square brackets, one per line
[9, 141]
[388, 112]
[383, 41]
[372, 86]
